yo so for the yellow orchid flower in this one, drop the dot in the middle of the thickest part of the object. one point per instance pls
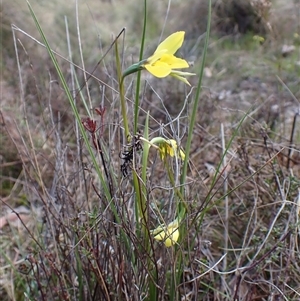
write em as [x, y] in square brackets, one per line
[169, 234]
[170, 147]
[163, 62]
[165, 147]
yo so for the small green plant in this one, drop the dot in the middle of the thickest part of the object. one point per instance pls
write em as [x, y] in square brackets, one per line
[132, 233]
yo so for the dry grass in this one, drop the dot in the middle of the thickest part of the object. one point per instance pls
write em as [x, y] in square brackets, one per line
[59, 239]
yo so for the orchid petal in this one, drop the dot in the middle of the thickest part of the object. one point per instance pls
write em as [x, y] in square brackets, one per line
[181, 78]
[181, 75]
[169, 237]
[156, 56]
[172, 43]
[174, 61]
[169, 147]
[181, 153]
[159, 69]
[167, 233]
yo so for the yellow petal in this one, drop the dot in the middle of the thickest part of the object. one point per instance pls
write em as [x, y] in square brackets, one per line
[170, 151]
[160, 236]
[169, 147]
[169, 236]
[181, 75]
[172, 143]
[172, 43]
[181, 153]
[163, 151]
[172, 239]
[156, 56]
[159, 69]
[174, 147]
[173, 225]
[173, 61]
[183, 79]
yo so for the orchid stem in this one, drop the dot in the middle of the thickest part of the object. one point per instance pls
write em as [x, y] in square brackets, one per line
[123, 108]
[122, 95]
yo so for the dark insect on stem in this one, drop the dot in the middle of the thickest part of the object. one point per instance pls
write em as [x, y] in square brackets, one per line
[127, 154]
[124, 169]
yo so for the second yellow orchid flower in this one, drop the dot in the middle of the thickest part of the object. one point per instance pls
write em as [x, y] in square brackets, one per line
[169, 147]
[166, 147]
[169, 234]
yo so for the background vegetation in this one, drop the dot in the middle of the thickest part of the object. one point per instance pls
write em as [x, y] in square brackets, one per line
[60, 239]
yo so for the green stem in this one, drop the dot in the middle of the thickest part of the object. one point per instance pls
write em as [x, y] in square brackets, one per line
[144, 168]
[122, 94]
[181, 210]
[138, 81]
[123, 108]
